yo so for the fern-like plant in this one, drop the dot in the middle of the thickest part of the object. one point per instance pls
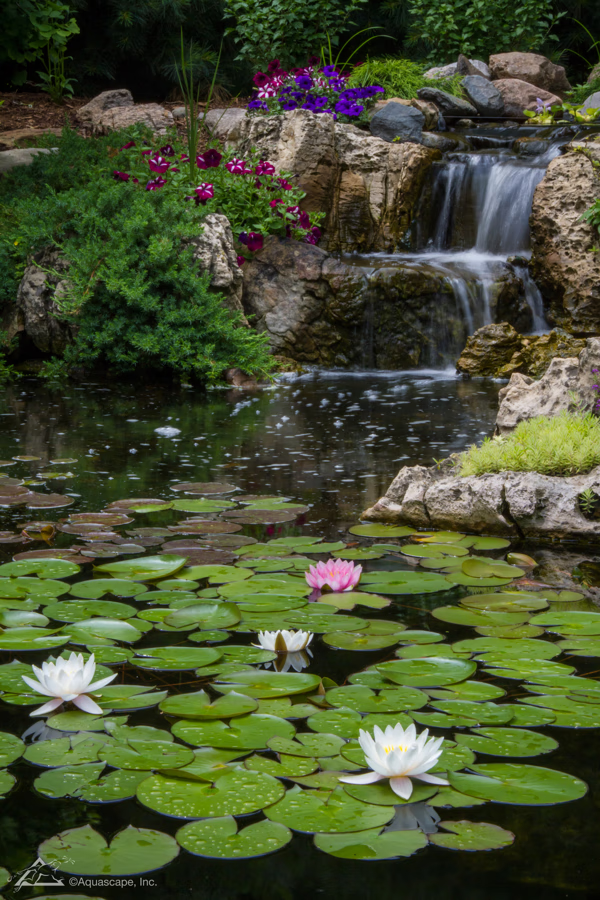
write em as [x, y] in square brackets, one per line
[400, 77]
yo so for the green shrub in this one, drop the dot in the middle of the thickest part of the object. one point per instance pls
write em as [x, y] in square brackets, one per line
[135, 291]
[479, 28]
[400, 77]
[567, 444]
[580, 92]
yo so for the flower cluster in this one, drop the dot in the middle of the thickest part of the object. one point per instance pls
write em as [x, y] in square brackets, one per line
[319, 89]
[248, 191]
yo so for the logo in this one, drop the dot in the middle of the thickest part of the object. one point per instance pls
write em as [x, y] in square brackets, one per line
[38, 874]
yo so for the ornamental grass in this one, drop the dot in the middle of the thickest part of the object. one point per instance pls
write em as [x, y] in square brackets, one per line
[567, 444]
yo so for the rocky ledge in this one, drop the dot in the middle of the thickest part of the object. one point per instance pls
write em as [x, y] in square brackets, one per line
[515, 504]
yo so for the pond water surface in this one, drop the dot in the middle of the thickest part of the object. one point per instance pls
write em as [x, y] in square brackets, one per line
[332, 441]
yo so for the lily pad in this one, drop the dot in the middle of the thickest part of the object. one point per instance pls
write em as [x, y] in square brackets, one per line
[98, 587]
[513, 783]
[202, 506]
[148, 568]
[43, 568]
[433, 551]
[147, 755]
[250, 732]
[356, 641]
[82, 851]
[371, 844]
[262, 684]
[507, 742]
[11, 748]
[327, 813]
[404, 583]
[219, 838]
[365, 700]
[205, 615]
[67, 781]
[29, 638]
[199, 705]
[428, 672]
[472, 836]
[119, 785]
[79, 610]
[235, 793]
[306, 745]
[381, 793]
[176, 658]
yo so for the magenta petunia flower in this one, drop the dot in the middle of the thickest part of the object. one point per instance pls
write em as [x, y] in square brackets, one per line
[336, 575]
[254, 242]
[285, 185]
[155, 183]
[121, 176]
[204, 192]
[158, 164]
[167, 150]
[210, 159]
[128, 145]
[304, 220]
[241, 260]
[264, 168]
[236, 166]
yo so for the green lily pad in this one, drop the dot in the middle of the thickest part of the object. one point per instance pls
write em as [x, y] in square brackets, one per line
[482, 712]
[43, 568]
[29, 638]
[514, 783]
[428, 672]
[147, 568]
[41, 589]
[510, 667]
[579, 714]
[88, 631]
[205, 615]
[307, 745]
[250, 732]
[458, 616]
[484, 543]
[80, 610]
[11, 748]
[433, 551]
[580, 646]
[468, 690]
[371, 844]
[118, 785]
[472, 836]
[287, 766]
[344, 640]
[421, 637]
[236, 793]
[499, 646]
[146, 755]
[202, 506]
[448, 797]
[7, 781]
[262, 684]
[219, 838]
[343, 721]
[67, 781]
[365, 700]
[327, 813]
[575, 622]
[358, 553]
[505, 602]
[381, 793]
[98, 587]
[404, 583]
[76, 720]
[176, 658]
[78, 748]
[82, 851]
[507, 742]
[199, 705]
[204, 487]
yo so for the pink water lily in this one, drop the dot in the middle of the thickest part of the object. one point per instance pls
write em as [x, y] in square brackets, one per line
[336, 574]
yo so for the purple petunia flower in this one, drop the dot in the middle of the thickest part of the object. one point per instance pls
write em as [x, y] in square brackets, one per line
[128, 145]
[121, 176]
[304, 82]
[237, 166]
[257, 104]
[155, 183]
[304, 220]
[254, 242]
[261, 80]
[264, 168]
[329, 71]
[285, 185]
[167, 150]
[243, 238]
[146, 152]
[240, 260]
[158, 164]
[289, 104]
[204, 192]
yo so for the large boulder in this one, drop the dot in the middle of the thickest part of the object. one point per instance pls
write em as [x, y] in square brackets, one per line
[498, 351]
[568, 384]
[465, 66]
[519, 95]
[367, 187]
[43, 283]
[563, 263]
[112, 110]
[449, 71]
[310, 305]
[214, 249]
[396, 122]
[532, 68]
[486, 98]
[451, 107]
[225, 124]
[10, 140]
[518, 504]
[10, 159]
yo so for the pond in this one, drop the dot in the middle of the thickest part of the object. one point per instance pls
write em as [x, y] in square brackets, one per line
[330, 443]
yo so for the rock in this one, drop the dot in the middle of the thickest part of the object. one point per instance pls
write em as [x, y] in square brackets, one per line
[451, 70]
[567, 384]
[565, 270]
[499, 350]
[592, 102]
[112, 110]
[9, 140]
[398, 122]
[214, 249]
[310, 305]
[240, 379]
[464, 66]
[530, 146]
[532, 68]
[488, 349]
[225, 124]
[10, 159]
[519, 95]
[36, 303]
[486, 99]
[441, 142]
[521, 504]
[367, 188]
[178, 112]
[450, 106]
[429, 110]
[594, 74]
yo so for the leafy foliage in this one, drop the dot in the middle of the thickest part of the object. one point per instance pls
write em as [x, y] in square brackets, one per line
[478, 28]
[288, 29]
[400, 77]
[580, 92]
[567, 444]
[135, 290]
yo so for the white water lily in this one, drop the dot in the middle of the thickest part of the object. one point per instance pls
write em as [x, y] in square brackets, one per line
[398, 754]
[284, 641]
[67, 680]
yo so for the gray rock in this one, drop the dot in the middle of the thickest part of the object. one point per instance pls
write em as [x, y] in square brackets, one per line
[532, 68]
[465, 66]
[450, 106]
[451, 70]
[438, 141]
[592, 102]
[42, 283]
[566, 385]
[483, 95]
[214, 249]
[9, 159]
[523, 504]
[395, 121]
[106, 100]
[225, 124]
[178, 112]
[113, 110]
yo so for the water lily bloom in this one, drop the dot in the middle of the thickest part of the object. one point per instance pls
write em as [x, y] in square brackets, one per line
[336, 574]
[158, 164]
[204, 192]
[66, 680]
[284, 641]
[254, 242]
[398, 754]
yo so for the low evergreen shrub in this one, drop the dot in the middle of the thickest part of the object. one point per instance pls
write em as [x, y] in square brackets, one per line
[400, 77]
[567, 444]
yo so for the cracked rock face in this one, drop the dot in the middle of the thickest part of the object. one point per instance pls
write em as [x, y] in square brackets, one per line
[518, 504]
[37, 310]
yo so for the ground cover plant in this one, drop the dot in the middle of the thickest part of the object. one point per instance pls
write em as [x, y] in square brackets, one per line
[567, 444]
[123, 210]
[399, 77]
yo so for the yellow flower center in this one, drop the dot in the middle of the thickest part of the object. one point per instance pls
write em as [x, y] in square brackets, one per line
[397, 747]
